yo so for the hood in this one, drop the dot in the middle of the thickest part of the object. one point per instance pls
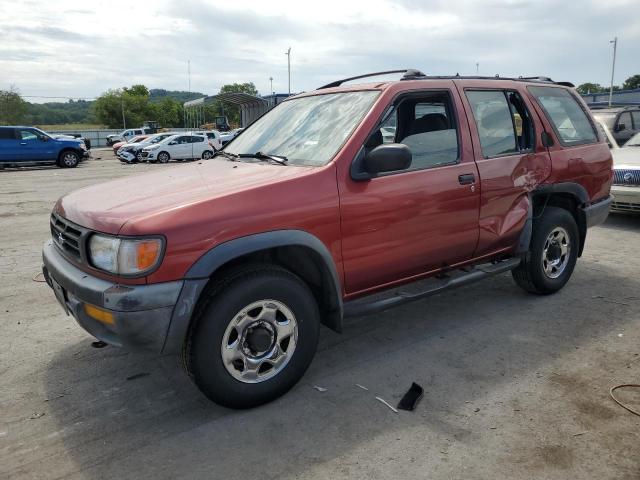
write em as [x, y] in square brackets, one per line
[626, 157]
[108, 206]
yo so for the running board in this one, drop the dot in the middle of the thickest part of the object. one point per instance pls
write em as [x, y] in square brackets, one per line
[378, 302]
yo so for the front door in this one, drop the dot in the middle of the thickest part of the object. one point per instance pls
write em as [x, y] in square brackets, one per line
[407, 223]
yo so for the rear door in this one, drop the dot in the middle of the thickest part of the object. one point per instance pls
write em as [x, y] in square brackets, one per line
[404, 224]
[199, 144]
[8, 144]
[183, 147]
[510, 157]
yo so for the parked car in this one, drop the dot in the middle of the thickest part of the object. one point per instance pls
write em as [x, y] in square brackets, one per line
[623, 122]
[626, 176]
[213, 136]
[183, 146]
[125, 135]
[310, 216]
[137, 139]
[87, 142]
[31, 146]
[132, 152]
[228, 136]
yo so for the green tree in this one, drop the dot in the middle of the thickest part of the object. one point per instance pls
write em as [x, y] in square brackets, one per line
[132, 101]
[12, 107]
[589, 88]
[168, 112]
[632, 82]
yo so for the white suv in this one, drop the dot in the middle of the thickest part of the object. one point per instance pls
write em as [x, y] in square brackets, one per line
[213, 136]
[179, 147]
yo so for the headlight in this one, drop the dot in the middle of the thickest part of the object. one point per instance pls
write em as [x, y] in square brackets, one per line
[83, 146]
[124, 256]
[155, 147]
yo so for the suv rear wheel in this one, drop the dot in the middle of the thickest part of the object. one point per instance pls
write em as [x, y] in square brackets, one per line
[254, 336]
[68, 159]
[552, 255]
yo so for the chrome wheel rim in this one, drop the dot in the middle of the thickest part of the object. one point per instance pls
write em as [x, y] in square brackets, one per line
[139, 156]
[259, 341]
[163, 158]
[206, 155]
[556, 252]
[69, 159]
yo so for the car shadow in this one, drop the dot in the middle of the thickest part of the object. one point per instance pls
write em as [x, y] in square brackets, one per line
[127, 415]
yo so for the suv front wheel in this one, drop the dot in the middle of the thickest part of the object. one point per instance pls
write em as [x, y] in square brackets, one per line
[552, 255]
[68, 159]
[254, 335]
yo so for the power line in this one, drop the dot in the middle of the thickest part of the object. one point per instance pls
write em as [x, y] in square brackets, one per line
[59, 96]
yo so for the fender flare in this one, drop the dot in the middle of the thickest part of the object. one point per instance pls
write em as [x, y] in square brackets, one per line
[571, 188]
[201, 271]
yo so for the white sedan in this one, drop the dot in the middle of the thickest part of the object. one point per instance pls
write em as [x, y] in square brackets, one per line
[179, 147]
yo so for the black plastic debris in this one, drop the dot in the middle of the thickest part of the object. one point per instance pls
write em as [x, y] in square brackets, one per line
[411, 398]
[98, 344]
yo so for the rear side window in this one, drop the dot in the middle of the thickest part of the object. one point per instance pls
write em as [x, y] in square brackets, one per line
[636, 119]
[569, 120]
[495, 122]
[7, 134]
[197, 139]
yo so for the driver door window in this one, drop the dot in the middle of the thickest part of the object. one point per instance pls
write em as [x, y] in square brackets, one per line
[426, 125]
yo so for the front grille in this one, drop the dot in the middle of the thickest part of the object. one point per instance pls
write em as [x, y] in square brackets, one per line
[68, 236]
[626, 177]
[626, 207]
[145, 153]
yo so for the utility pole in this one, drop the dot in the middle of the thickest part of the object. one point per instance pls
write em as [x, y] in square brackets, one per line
[189, 80]
[613, 67]
[288, 54]
[477, 68]
[271, 80]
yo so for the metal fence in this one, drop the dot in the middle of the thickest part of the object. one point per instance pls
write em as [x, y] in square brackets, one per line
[98, 138]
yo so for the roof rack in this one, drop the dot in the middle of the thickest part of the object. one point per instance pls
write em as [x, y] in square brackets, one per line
[409, 74]
[413, 74]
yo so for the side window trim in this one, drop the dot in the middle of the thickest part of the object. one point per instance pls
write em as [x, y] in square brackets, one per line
[393, 106]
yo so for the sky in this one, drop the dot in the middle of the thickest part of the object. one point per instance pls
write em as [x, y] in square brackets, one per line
[80, 49]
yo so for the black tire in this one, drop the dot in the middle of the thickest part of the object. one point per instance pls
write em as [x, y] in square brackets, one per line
[207, 154]
[68, 159]
[218, 306]
[531, 274]
[163, 157]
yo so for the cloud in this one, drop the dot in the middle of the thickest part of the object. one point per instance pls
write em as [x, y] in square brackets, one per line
[53, 48]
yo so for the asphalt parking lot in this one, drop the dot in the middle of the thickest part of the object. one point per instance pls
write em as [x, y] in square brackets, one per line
[516, 386]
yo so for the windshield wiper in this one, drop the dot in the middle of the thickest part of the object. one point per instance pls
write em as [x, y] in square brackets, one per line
[230, 156]
[280, 159]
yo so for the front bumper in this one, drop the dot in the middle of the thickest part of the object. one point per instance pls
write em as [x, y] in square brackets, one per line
[625, 199]
[140, 314]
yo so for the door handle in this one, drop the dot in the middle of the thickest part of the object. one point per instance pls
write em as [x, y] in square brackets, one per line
[467, 179]
[23, 143]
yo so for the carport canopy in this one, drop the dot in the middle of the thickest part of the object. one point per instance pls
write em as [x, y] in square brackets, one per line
[251, 106]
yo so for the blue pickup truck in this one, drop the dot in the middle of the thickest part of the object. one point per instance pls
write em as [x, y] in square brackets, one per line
[31, 146]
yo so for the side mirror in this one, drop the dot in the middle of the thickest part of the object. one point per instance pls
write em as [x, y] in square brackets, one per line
[44, 139]
[173, 142]
[620, 127]
[388, 157]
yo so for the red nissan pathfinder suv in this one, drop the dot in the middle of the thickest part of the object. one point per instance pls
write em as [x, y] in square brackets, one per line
[325, 207]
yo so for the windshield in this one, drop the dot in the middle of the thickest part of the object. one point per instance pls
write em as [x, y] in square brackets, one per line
[308, 130]
[607, 118]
